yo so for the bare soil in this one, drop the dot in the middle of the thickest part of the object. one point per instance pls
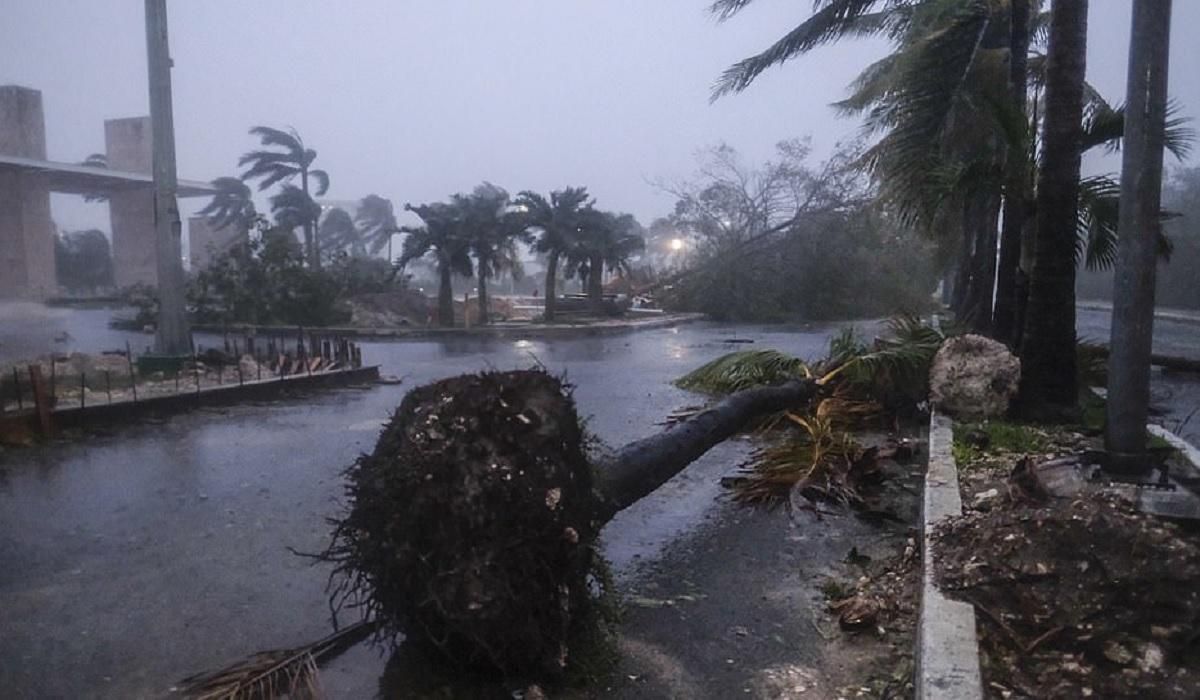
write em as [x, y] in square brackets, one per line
[1075, 598]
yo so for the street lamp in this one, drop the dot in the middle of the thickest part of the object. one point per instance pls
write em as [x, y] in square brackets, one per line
[676, 244]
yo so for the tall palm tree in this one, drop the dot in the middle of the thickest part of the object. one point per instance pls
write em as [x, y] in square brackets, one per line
[376, 222]
[289, 159]
[293, 208]
[1048, 379]
[607, 240]
[557, 222]
[492, 227]
[441, 237]
[231, 205]
[338, 233]
[1009, 288]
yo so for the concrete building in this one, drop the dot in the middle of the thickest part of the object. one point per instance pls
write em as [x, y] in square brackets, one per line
[206, 242]
[27, 179]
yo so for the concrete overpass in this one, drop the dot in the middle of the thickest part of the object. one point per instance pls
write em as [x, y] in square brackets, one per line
[27, 179]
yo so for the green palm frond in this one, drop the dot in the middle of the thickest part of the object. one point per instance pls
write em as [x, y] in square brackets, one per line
[899, 361]
[743, 370]
[833, 20]
[1104, 125]
[1097, 224]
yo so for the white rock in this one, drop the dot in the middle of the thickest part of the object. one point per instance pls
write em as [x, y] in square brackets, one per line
[973, 377]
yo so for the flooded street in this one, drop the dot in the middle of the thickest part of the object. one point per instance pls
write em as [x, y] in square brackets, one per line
[141, 556]
[162, 549]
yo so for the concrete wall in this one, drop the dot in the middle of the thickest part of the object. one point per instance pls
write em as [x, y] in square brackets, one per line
[26, 231]
[205, 242]
[129, 146]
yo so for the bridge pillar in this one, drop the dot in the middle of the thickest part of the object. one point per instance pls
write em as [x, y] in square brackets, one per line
[26, 230]
[129, 147]
[206, 242]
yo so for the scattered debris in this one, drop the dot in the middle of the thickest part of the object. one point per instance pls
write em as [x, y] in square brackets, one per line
[1078, 596]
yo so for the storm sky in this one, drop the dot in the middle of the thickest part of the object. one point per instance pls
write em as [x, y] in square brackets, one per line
[416, 99]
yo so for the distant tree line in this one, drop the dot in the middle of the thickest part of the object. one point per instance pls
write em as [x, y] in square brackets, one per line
[83, 261]
[783, 240]
[476, 234]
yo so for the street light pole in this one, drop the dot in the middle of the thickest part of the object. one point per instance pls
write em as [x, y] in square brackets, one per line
[173, 336]
[1138, 233]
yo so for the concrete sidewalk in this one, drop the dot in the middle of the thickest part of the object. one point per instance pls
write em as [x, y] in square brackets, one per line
[1182, 315]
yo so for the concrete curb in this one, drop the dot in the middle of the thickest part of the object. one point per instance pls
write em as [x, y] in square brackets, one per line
[532, 331]
[947, 654]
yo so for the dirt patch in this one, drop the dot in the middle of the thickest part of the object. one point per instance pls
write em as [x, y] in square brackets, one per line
[1081, 597]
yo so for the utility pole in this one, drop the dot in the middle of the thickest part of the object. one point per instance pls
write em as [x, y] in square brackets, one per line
[173, 336]
[1138, 231]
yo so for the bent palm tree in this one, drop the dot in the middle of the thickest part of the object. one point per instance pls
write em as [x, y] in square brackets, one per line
[492, 230]
[557, 221]
[376, 222]
[290, 159]
[292, 208]
[338, 234]
[231, 205]
[607, 240]
[442, 238]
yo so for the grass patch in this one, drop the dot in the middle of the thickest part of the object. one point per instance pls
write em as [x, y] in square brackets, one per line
[974, 440]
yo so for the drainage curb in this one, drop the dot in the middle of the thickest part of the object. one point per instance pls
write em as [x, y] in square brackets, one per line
[947, 654]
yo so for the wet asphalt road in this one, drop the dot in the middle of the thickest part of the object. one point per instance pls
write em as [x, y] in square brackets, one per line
[130, 560]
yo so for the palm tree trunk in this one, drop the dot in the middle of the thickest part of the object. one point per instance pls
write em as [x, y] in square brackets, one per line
[310, 229]
[551, 285]
[1137, 242]
[445, 297]
[980, 219]
[1048, 382]
[483, 297]
[1015, 190]
[596, 283]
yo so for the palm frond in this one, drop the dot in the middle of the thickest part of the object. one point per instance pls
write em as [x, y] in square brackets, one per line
[288, 140]
[1104, 125]
[835, 19]
[724, 9]
[742, 370]
[290, 673]
[322, 179]
[1097, 225]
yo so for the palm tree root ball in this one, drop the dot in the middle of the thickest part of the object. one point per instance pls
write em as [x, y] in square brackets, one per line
[469, 529]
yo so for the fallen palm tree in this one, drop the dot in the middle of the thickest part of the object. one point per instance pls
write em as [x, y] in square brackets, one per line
[470, 528]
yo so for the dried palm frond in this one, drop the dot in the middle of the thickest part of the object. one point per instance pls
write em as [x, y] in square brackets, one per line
[819, 461]
[290, 673]
[742, 370]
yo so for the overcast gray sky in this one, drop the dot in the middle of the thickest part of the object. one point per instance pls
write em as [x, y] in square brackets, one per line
[415, 99]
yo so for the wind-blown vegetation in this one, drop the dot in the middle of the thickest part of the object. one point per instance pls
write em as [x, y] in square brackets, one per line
[982, 107]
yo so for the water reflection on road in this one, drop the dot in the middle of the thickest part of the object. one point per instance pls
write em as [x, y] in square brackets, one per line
[136, 558]
[139, 557]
